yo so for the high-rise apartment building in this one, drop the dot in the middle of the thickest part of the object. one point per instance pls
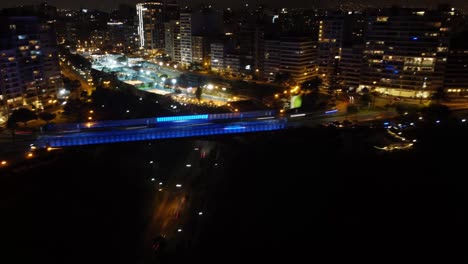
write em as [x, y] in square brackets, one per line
[349, 65]
[294, 55]
[272, 58]
[50, 59]
[151, 25]
[456, 73]
[185, 39]
[405, 52]
[297, 57]
[232, 63]
[29, 70]
[172, 39]
[251, 40]
[217, 56]
[336, 31]
[198, 54]
[204, 23]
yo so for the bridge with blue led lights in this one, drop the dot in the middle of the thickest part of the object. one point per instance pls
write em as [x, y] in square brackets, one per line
[114, 131]
[75, 134]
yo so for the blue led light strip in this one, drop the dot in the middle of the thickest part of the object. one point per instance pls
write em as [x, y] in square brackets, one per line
[180, 118]
[128, 136]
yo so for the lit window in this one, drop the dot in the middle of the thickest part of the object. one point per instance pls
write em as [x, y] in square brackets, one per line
[382, 19]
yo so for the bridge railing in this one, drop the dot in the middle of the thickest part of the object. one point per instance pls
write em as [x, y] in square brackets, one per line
[103, 137]
[151, 121]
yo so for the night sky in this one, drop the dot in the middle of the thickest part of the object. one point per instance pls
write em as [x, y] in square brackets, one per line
[111, 4]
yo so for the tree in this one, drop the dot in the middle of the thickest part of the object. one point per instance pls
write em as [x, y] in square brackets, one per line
[366, 99]
[20, 115]
[47, 116]
[439, 95]
[436, 112]
[183, 79]
[200, 80]
[283, 77]
[84, 93]
[74, 85]
[122, 59]
[198, 93]
[312, 85]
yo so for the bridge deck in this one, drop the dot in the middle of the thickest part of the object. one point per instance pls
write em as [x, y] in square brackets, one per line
[114, 136]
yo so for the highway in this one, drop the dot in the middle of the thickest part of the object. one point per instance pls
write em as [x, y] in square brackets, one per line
[314, 119]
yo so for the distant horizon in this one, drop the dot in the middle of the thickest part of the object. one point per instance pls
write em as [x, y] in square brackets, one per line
[107, 5]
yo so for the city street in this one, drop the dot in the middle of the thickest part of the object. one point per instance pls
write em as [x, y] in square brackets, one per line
[68, 72]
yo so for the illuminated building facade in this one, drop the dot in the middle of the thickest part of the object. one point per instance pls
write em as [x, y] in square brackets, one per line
[272, 58]
[456, 73]
[151, 25]
[405, 52]
[185, 39]
[197, 49]
[217, 56]
[29, 69]
[293, 55]
[172, 39]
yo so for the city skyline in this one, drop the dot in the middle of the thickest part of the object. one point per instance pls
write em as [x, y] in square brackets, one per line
[107, 5]
[153, 132]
